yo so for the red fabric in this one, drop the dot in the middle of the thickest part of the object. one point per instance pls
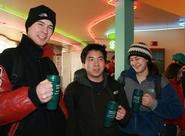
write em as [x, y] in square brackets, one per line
[63, 106]
[48, 51]
[14, 104]
[179, 121]
[110, 67]
[13, 129]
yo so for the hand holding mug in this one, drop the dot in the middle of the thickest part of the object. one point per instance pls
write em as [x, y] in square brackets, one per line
[44, 91]
[148, 100]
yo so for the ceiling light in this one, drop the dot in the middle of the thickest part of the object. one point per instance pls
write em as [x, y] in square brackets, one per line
[182, 22]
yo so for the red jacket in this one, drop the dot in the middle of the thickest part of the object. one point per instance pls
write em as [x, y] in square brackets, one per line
[179, 121]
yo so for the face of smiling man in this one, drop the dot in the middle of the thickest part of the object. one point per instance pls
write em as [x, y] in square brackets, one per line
[94, 65]
[41, 31]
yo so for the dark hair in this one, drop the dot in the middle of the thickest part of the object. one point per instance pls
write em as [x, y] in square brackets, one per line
[93, 46]
[172, 70]
[153, 68]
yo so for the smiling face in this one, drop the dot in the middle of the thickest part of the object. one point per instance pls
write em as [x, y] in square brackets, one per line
[139, 64]
[94, 65]
[40, 31]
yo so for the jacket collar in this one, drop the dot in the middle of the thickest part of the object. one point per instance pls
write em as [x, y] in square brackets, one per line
[30, 48]
[80, 76]
[132, 74]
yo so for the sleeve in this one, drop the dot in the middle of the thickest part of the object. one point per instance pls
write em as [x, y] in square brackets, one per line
[121, 78]
[14, 104]
[169, 105]
[122, 99]
[71, 127]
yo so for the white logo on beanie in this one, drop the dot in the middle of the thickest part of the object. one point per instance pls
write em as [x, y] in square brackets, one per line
[43, 15]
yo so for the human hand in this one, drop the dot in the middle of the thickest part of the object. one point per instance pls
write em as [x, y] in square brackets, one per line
[44, 91]
[183, 68]
[148, 100]
[121, 112]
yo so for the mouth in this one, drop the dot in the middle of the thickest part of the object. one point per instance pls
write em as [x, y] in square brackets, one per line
[43, 38]
[96, 70]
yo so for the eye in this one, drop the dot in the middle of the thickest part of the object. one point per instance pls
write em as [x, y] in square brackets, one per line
[50, 28]
[90, 59]
[101, 59]
[40, 24]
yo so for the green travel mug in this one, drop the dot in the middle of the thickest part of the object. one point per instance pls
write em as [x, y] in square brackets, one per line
[110, 113]
[137, 99]
[53, 103]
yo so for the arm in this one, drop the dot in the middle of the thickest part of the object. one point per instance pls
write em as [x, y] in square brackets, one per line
[70, 104]
[17, 104]
[168, 104]
[14, 104]
[123, 113]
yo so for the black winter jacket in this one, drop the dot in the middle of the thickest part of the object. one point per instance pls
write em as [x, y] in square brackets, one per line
[33, 118]
[86, 107]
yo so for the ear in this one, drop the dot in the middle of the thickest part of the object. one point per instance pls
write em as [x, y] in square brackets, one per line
[83, 65]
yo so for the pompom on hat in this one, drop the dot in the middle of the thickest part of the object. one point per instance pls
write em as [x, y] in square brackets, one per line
[38, 13]
[140, 49]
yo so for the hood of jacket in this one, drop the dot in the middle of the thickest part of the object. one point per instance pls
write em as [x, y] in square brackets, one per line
[132, 74]
[80, 76]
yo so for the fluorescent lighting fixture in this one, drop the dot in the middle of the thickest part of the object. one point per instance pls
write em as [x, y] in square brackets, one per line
[158, 29]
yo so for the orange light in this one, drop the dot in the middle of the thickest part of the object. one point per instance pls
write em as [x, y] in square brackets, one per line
[135, 4]
[104, 17]
[97, 21]
[111, 2]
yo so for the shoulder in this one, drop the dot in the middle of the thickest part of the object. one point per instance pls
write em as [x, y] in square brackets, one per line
[164, 80]
[73, 86]
[113, 84]
[8, 52]
[7, 58]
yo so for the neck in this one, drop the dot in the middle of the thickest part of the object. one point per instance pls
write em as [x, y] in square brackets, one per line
[95, 79]
[142, 75]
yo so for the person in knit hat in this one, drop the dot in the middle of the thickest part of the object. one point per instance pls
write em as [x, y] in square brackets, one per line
[179, 58]
[24, 88]
[39, 13]
[156, 101]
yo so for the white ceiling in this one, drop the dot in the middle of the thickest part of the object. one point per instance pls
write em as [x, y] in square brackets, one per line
[74, 16]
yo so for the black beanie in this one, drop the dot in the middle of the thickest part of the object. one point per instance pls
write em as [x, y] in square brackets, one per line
[38, 13]
[139, 49]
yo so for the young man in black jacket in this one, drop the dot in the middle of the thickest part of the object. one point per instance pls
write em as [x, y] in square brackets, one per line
[87, 96]
[24, 94]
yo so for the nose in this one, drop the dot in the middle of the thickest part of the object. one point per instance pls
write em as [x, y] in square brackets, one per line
[96, 62]
[45, 30]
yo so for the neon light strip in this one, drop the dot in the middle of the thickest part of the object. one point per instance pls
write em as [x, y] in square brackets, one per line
[97, 21]
[102, 18]
[23, 16]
